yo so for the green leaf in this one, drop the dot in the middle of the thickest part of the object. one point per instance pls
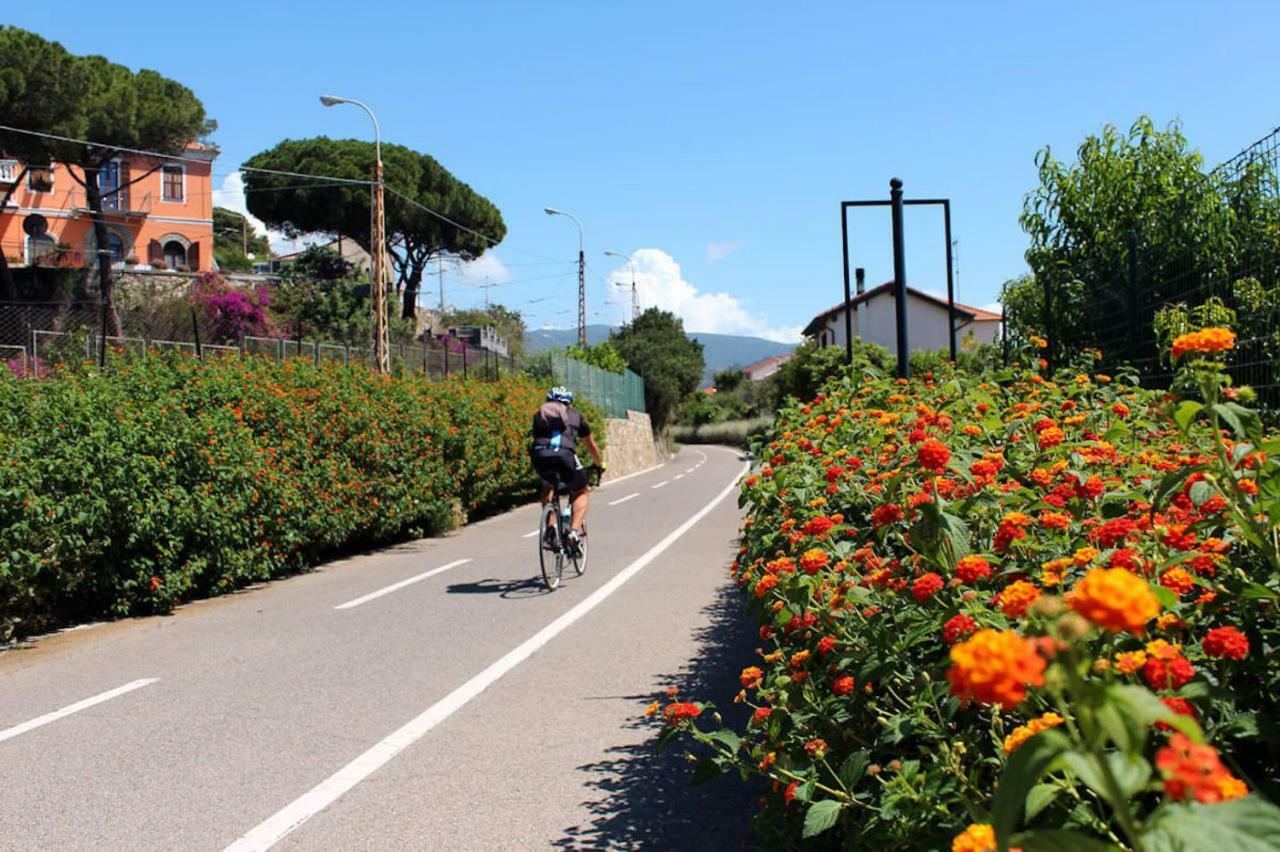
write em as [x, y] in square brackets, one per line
[1185, 412]
[1167, 598]
[1060, 840]
[1131, 772]
[821, 816]
[708, 769]
[852, 769]
[729, 738]
[1040, 797]
[1127, 712]
[1201, 491]
[1249, 824]
[1031, 760]
[1244, 421]
[1256, 591]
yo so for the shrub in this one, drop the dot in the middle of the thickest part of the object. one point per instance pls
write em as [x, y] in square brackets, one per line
[1013, 612]
[736, 433]
[129, 491]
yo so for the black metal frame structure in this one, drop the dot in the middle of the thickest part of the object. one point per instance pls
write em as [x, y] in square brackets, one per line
[897, 202]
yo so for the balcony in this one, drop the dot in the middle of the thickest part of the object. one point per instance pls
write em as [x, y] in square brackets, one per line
[9, 171]
[123, 204]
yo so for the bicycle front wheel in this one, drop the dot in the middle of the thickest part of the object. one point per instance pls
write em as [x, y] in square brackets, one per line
[550, 547]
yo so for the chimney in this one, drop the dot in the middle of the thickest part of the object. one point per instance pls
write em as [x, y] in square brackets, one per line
[860, 279]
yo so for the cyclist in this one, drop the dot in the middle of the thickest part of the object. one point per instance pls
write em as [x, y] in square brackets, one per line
[557, 430]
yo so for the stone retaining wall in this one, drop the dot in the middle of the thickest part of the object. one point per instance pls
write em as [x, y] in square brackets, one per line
[630, 445]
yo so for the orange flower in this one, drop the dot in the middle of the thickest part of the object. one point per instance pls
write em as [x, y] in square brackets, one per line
[1196, 771]
[1022, 733]
[979, 837]
[1129, 662]
[1205, 340]
[1115, 600]
[751, 677]
[995, 667]
[1016, 597]
[814, 560]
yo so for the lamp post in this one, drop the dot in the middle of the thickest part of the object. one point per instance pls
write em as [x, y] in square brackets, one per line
[582, 276]
[635, 300]
[377, 242]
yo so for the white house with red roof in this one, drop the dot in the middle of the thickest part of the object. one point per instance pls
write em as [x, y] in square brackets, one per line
[761, 370]
[874, 319]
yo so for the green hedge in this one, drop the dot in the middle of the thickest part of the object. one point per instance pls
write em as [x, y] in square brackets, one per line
[167, 478]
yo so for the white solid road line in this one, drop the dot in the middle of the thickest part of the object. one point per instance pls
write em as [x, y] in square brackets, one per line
[395, 587]
[529, 534]
[692, 469]
[662, 483]
[272, 830]
[39, 721]
[624, 499]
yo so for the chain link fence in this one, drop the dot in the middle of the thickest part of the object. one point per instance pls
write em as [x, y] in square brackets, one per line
[36, 338]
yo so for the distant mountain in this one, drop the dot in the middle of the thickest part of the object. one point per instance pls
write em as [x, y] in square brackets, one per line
[721, 350]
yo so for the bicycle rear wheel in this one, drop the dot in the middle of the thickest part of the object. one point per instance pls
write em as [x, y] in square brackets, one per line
[550, 547]
[579, 557]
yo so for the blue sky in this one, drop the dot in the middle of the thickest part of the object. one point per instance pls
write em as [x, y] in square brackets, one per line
[714, 139]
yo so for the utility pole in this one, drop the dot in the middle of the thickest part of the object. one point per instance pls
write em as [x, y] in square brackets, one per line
[635, 299]
[486, 285]
[440, 267]
[377, 243]
[582, 275]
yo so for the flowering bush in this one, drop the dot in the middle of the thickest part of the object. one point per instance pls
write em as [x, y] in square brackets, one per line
[169, 478]
[1023, 612]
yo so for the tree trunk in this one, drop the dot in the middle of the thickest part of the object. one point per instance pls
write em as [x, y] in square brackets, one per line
[93, 195]
[9, 287]
[412, 282]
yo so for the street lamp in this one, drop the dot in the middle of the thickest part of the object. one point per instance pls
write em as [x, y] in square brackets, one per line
[582, 275]
[635, 300]
[377, 242]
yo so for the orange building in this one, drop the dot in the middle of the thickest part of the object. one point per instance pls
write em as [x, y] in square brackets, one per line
[164, 221]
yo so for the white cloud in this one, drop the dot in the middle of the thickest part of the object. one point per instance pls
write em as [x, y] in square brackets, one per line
[231, 196]
[487, 267]
[719, 251]
[660, 283]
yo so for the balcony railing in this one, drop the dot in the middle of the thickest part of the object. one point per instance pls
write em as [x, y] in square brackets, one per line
[9, 170]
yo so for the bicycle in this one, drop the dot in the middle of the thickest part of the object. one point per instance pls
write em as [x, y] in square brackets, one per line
[554, 545]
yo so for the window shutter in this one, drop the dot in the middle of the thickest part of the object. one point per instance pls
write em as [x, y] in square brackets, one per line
[124, 182]
[193, 257]
[155, 253]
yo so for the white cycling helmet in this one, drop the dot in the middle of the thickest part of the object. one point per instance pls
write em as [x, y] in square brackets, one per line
[559, 393]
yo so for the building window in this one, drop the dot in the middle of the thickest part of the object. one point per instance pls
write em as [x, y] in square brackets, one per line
[115, 245]
[109, 185]
[174, 180]
[40, 178]
[41, 249]
[175, 255]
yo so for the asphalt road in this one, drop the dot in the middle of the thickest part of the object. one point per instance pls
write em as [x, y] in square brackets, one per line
[426, 696]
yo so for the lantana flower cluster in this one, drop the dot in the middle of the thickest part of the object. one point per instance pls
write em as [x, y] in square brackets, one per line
[935, 563]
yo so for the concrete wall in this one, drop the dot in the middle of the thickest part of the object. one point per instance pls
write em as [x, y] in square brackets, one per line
[630, 445]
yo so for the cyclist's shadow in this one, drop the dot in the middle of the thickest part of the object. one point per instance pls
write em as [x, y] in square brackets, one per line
[509, 589]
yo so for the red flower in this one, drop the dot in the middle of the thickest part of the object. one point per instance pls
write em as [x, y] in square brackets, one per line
[762, 713]
[886, 514]
[1113, 531]
[958, 627]
[926, 586]
[790, 792]
[842, 685]
[826, 645]
[681, 710]
[1226, 642]
[1168, 674]
[1196, 771]
[933, 455]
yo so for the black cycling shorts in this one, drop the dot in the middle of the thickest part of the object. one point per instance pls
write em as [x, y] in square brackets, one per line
[558, 466]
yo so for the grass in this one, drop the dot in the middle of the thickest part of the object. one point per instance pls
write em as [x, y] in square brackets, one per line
[733, 432]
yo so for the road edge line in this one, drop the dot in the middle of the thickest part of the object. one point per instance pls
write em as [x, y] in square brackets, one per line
[84, 704]
[285, 821]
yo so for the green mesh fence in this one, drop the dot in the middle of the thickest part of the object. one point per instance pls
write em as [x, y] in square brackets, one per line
[614, 394]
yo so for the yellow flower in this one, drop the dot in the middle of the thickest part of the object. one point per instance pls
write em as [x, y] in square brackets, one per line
[979, 837]
[1022, 733]
[1115, 600]
[1130, 661]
